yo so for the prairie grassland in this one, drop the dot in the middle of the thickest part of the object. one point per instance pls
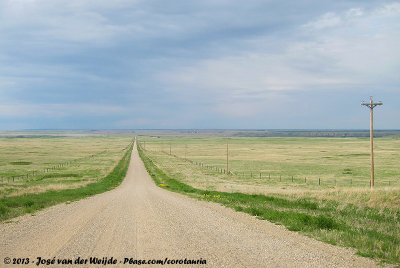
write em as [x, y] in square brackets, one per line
[55, 163]
[289, 166]
[345, 214]
[13, 206]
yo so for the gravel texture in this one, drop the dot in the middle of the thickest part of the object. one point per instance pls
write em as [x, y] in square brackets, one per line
[142, 221]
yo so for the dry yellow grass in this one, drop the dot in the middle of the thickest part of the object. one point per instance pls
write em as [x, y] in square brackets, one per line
[85, 159]
[50, 187]
[331, 159]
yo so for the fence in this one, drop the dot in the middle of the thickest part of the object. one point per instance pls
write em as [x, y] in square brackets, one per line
[317, 181]
[35, 173]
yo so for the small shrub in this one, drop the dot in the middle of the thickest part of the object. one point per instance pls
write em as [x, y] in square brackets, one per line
[28, 203]
[324, 222]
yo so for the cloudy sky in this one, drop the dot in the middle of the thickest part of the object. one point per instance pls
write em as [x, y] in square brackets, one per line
[101, 64]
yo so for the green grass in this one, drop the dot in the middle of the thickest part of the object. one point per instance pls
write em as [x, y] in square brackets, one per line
[337, 162]
[373, 232]
[328, 168]
[28, 203]
[62, 175]
[21, 163]
[37, 164]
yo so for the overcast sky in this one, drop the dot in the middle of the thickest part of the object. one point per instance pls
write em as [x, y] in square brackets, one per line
[101, 64]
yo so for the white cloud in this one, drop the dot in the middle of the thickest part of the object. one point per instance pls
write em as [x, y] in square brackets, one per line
[188, 60]
[247, 75]
[54, 21]
[338, 51]
[392, 9]
[364, 46]
[332, 20]
[262, 104]
[327, 20]
[354, 12]
[58, 110]
[349, 53]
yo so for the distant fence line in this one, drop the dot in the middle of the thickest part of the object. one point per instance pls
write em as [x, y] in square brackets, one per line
[35, 173]
[280, 178]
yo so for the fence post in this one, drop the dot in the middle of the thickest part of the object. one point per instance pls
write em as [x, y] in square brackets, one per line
[292, 178]
[305, 180]
[260, 175]
[319, 181]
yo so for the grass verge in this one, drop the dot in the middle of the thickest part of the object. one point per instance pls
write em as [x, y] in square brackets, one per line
[372, 232]
[14, 206]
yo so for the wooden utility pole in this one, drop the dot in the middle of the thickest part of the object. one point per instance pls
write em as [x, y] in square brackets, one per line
[227, 157]
[371, 105]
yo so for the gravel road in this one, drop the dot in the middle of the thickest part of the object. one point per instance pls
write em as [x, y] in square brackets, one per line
[142, 221]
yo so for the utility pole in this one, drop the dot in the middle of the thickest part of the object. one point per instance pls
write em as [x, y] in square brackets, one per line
[371, 105]
[227, 157]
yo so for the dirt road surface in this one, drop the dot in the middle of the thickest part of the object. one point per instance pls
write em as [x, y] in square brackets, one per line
[139, 220]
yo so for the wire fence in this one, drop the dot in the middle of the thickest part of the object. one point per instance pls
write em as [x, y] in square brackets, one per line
[292, 179]
[37, 173]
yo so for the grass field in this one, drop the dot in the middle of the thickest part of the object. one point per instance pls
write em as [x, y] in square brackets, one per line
[49, 168]
[336, 168]
[13, 206]
[37, 163]
[347, 214]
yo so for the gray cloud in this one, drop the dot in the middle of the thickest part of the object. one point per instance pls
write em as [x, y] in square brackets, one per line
[194, 63]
